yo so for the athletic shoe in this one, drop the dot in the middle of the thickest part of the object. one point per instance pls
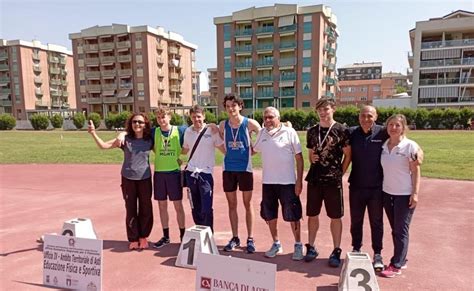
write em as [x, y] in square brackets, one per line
[390, 272]
[298, 253]
[405, 266]
[335, 258]
[250, 246]
[311, 253]
[378, 263]
[355, 250]
[162, 242]
[274, 250]
[233, 243]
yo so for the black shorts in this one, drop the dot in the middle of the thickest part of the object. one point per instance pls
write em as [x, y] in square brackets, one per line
[231, 179]
[332, 197]
[290, 203]
[167, 185]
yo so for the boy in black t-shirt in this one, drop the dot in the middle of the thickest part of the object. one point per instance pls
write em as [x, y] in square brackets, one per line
[329, 153]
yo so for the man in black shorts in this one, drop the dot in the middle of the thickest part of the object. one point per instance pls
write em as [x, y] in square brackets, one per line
[330, 154]
[280, 148]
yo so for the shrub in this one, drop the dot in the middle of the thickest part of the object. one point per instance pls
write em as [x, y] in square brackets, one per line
[39, 121]
[121, 119]
[348, 115]
[110, 121]
[56, 121]
[450, 118]
[152, 118]
[465, 115]
[311, 119]
[210, 117]
[95, 117]
[258, 116]
[222, 116]
[7, 122]
[421, 118]
[410, 114]
[436, 118]
[79, 120]
[176, 119]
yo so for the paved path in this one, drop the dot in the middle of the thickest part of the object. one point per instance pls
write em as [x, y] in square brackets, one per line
[36, 199]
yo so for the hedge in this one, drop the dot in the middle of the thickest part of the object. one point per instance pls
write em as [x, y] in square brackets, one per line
[7, 121]
[39, 121]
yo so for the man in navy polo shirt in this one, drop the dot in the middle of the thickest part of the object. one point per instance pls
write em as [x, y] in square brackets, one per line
[365, 190]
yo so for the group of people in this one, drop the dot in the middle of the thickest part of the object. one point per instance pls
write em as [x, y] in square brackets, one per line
[385, 175]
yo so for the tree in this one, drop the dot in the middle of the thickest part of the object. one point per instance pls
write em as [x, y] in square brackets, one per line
[95, 117]
[450, 117]
[56, 121]
[465, 117]
[79, 120]
[421, 118]
[400, 89]
[436, 118]
[7, 122]
[39, 121]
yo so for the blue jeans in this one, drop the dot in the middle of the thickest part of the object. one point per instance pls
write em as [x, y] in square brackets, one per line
[372, 200]
[201, 186]
[399, 215]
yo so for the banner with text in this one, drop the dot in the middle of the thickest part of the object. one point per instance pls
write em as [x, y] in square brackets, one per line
[72, 262]
[218, 273]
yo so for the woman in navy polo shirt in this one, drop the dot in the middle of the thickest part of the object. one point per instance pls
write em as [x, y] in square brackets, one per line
[401, 184]
[136, 177]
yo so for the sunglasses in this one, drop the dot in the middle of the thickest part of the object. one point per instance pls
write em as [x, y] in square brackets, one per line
[138, 122]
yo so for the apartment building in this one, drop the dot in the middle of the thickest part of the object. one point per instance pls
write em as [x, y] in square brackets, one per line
[442, 61]
[283, 55]
[122, 68]
[35, 78]
[212, 78]
[196, 86]
[361, 83]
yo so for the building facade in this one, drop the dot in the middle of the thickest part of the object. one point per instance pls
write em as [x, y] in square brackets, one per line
[35, 78]
[122, 68]
[442, 61]
[361, 83]
[196, 86]
[281, 55]
[213, 91]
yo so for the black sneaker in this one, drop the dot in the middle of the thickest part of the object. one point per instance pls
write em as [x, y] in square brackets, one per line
[335, 258]
[250, 246]
[162, 242]
[311, 253]
[233, 243]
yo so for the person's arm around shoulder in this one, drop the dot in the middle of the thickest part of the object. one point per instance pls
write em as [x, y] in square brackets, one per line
[222, 129]
[185, 147]
[347, 151]
[218, 142]
[415, 176]
[253, 126]
[113, 143]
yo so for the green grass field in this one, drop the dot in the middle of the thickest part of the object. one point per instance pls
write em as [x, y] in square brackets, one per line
[448, 154]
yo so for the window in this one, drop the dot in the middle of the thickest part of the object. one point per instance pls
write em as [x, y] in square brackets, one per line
[363, 89]
[227, 51]
[227, 82]
[307, 27]
[306, 44]
[227, 32]
[376, 88]
[306, 104]
[306, 77]
[307, 18]
[306, 62]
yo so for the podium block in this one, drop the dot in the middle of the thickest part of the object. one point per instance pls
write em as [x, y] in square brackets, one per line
[79, 227]
[196, 239]
[358, 273]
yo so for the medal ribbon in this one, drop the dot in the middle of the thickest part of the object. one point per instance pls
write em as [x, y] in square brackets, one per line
[320, 143]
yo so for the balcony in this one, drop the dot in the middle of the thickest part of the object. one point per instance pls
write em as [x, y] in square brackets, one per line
[4, 56]
[329, 31]
[265, 94]
[160, 60]
[109, 86]
[106, 46]
[38, 92]
[288, 77]
[288, 93]
[107, 60]
[159, 47]
[288, 28]
[410, 58]
[160, 73]
[108, 73]
[243, 32]
[330, 81]
[265, 63]
[448, 43]
[287, 62]
[36, 57]
[173, 50]
[126, 99]
[6, 80]
[62, 60]
[65, 94]
[54, 71]
[5, 91]
[447, 81]
[55, 93]
[331, 67]
[328, 94]
[176, 76]
[175, 88]
[41, 103]
[124, 59]
[287, 45]
[246, 95]
[264, 79]
[91, 61]
[127, 85]
[265, 30]
[109, 99]
[55, 82]
[126, 72]
[5, 67]
[244, 80]
[5, 103]
[124, 44]
[264, 47]
[91, 47]
[93, 74]
[64, 72]
[331, 51]
[94, 100]
[243, 49]
[54, 60]
[447, 62]
[94, 87]
[243, 65]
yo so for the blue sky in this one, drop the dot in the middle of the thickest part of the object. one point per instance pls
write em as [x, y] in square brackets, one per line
[369, 30]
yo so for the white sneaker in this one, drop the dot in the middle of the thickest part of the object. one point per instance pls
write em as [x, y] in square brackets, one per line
[378, 263]
[274, 250]
[298, 253]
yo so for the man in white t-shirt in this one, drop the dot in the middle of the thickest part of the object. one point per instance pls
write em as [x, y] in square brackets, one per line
[198, 172]
[280, 148]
